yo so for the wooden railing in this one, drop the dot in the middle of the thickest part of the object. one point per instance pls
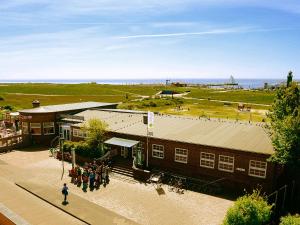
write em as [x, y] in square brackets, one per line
[10, 141]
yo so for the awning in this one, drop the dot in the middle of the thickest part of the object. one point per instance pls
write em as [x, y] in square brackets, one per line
[121, 142]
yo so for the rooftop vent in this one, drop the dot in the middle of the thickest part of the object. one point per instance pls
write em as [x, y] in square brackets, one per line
[35, 103]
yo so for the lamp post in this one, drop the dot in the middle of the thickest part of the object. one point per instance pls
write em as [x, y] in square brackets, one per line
[61, 141]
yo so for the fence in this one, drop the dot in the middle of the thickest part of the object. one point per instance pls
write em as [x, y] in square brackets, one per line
[8, 143]
[285, 199]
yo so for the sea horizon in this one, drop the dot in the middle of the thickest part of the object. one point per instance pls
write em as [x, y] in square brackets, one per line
[244, 83]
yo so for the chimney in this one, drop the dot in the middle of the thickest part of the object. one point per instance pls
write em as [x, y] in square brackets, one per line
[35, 103]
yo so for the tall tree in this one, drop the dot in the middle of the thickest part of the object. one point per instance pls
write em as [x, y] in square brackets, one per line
[285, 124]
[95, 130]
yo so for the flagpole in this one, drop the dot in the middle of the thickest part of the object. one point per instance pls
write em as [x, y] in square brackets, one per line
[147, 146]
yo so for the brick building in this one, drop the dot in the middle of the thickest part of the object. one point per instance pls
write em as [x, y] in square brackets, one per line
[235, 152]
[41, 124]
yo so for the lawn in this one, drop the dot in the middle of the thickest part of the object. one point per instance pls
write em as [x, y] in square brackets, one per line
[248, 96]
[200, 102]
[199, 108]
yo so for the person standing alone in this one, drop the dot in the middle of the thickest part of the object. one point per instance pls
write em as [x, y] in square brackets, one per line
[65, 192]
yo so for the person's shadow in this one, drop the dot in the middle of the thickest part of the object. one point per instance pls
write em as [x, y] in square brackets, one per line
[65, 203]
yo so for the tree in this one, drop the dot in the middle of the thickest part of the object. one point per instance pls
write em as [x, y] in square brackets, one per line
[96, 130]
[290, 220]
[289, 79]
[285, 125]
[250, 209]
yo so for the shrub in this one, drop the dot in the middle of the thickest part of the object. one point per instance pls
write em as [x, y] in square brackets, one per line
[290, 220]
[251, 209]
[83, 149]
[8, 107]
[1, 98]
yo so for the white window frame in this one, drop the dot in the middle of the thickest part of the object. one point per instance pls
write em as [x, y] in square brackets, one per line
[160, 151]
[40, 127]
[48, 126]
[77, 132]
[181, 155]
[226, 163]
[26, 126]
[202, 158]
[257, 168]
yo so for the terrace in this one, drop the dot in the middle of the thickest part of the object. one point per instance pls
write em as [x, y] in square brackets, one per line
[10, 134]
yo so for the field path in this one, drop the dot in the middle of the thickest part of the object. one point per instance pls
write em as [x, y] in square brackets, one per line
[225, 101]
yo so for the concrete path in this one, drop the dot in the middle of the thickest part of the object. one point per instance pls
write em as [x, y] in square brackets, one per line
[82, 209]
[136, 201]
[30, 208]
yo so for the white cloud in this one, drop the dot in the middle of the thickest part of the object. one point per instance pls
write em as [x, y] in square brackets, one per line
[208, 32]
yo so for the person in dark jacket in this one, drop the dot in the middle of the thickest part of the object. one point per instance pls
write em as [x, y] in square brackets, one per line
[65, 192]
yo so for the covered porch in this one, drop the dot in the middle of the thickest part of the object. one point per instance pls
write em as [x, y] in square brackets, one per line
[126, 149]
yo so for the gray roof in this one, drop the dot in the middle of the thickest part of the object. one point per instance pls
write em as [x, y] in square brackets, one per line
[224, 134]
[121, 142]
[66, 107]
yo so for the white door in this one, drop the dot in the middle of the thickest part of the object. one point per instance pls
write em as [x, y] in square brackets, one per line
[65, 132]
[124, 152]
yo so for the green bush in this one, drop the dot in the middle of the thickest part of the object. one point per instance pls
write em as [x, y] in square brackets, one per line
[1, 98]
[251, 209]
[290, 220]
[83, 149]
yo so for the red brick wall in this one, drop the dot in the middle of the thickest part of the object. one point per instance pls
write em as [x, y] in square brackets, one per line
[193, 169]
[237, 179]
[40, 118]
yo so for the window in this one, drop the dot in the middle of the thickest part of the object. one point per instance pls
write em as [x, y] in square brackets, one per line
[48, 128]
[181, 155]
[75, 132]
[226, 163]
[158, 151]
[257, 168]
[24, 127]
[207, 160]
[79, 133]
[35, 128]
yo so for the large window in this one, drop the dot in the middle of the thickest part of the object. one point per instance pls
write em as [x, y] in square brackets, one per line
[35, 128]
[79, 133]
[226, 163]
[257, 168]
[181, 155]
[24, 127]
[48, 128]
[158, 151]
[207, 160]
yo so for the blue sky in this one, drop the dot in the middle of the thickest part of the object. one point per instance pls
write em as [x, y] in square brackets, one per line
[117, 39]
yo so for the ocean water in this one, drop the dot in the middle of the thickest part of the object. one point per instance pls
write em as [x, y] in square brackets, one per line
[244, 83]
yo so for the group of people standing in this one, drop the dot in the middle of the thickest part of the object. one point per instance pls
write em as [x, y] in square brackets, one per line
[92, 175]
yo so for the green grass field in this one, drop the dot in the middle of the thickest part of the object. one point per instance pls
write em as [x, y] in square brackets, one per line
[198, 102]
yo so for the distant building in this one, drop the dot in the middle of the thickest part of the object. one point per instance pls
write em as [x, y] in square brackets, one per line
[179, 84]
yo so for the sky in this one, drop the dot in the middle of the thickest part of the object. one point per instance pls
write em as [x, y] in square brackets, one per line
[142, 39]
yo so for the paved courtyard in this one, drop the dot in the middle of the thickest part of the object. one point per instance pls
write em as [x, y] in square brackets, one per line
[136, 201]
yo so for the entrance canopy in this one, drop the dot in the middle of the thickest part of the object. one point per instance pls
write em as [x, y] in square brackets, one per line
[121, 142]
